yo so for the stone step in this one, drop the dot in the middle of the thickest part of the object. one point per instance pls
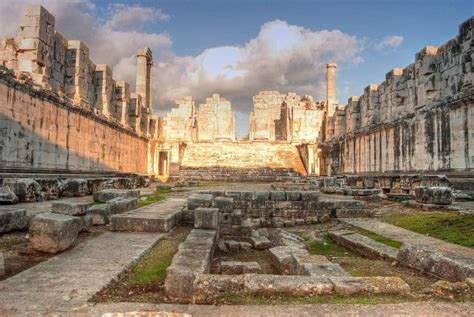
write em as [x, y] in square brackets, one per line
[364, 245]
[159, 217]
[440, 258]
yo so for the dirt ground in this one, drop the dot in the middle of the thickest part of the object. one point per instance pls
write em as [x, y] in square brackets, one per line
[20, 257]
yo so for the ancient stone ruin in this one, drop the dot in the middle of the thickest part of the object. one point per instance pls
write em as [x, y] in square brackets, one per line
[103, 201]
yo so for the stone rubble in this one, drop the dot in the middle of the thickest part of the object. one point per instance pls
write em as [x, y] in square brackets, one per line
[53, 232]
[13, 219]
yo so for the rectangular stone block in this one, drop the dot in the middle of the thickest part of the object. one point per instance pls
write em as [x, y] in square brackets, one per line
[233, 194]
[310, 195]
[247, 195]
[100, 214]
[278, 195]
[108, 194]
[224, 204]
[262, 196]
[293, 195]
[53, 233]
[69, 208]
[2, 264]
[122, 204]
[13, 219]
[206, 218]
[200, 200]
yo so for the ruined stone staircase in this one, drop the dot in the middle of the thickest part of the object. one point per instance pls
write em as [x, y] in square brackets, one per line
[242, 162]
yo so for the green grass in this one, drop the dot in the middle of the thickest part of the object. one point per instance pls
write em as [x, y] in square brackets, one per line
[376, 237]
[329, 248]
[152, 268]
[245, 299]
[447, 226]
[157, 196]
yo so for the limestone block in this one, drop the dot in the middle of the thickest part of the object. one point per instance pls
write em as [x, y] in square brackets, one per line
[224, 204]
[69, 208]
[25, 189]
[354, 213]
[293, 195]
[329, 181]
[260, 242]
[287, 284]
[386, 285]
[100, 214]
[434, 195]
[206, 218]
[53, 233]
[262, 196]
[13, 219]
[350, 285]
[74, 187]
[425, 258]
[199, 200]
[310, 195]
[237, 267]
[86, 221]
[278, 195]
[2, 264]
[208, 285]
[122, 204]
[233, 194]
[247, 195]
[7, 196]
[108, 194]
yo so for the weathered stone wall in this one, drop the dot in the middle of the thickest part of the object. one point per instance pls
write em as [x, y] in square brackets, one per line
[61, 112]
[243, 155]
[63, 66]
[44, 133]
[179, 123]
[215, 120]
[279, 117]
[420, 118]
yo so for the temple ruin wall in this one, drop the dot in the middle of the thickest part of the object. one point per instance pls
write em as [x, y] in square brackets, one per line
[40, 132]
[420, 118]
[61, 112]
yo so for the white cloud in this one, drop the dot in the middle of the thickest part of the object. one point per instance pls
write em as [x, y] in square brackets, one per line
[281, 57]
[391, 41]
[111, 41]
[129, 18]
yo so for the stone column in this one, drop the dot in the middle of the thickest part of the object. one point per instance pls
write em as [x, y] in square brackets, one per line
[331, 90]
[143, 86]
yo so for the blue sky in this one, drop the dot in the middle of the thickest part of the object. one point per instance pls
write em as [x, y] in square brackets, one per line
[238, 48]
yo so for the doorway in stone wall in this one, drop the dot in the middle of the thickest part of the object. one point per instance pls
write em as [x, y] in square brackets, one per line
[163, 163]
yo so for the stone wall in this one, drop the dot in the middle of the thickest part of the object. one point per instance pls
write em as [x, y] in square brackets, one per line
[279, 117]
[419, 119]
[61, 112]
[243, 155]
[41, 132]
[215, 120]
[63, 67]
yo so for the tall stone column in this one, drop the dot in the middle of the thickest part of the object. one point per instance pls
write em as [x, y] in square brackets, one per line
[331, 90]
[143, 86]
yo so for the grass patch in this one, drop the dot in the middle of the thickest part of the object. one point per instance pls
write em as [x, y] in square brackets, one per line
[157, 196]
[329, 248]
[376, 237]
[152, 268]
[246, 299]
[447, 226]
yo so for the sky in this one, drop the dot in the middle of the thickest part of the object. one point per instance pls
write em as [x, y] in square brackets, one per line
[239, 47]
